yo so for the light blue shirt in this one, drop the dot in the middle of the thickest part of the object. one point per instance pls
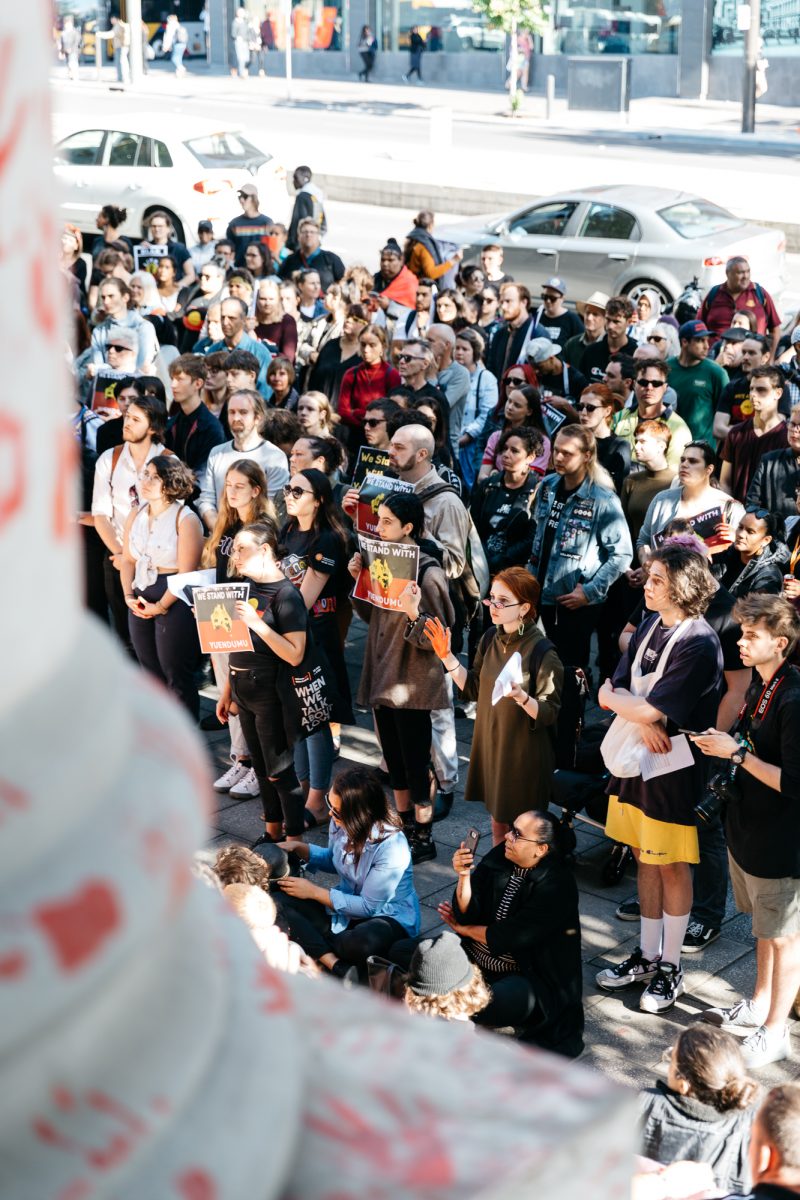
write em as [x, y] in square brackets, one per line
[380, 884]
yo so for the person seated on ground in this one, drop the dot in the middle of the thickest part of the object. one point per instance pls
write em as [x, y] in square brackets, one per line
[775, 1145]
[517, 917]
[374, 903]
[704, 1110]
[442, 982]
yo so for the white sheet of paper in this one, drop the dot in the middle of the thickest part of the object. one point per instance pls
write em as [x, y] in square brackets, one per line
[510, 674]
[176, 583]
[676, 759]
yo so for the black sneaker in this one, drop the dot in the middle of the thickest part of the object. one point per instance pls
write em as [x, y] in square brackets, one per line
[629, 910]
[663, 989]
[698, 936]
[634, 969]
[423, 849]
[263, 840]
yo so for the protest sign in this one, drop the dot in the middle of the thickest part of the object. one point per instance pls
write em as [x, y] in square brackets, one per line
[145, 257]
[386, 570]
[220, 630]
[704, 526]
[103, 389]
[553, 419]
[369, 461]
[373, 491]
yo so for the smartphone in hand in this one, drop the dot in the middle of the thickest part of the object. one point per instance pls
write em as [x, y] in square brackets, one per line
[471, 841]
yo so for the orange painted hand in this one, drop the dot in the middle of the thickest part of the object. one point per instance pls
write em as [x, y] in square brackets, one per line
[438, 636]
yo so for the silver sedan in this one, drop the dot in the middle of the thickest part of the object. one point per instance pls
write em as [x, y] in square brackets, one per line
[622, 239]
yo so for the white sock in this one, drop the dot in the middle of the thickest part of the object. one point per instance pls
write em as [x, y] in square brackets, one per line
[651, 937]
[674, 933]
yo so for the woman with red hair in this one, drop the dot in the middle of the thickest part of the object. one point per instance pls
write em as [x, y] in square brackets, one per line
[512, 758]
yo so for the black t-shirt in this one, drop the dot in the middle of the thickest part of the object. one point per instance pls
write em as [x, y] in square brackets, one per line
[319, 551]
[614, 453]
[596, 357]
[551, 528]
[280, 606]
[223, 553]
[735, 400]
[558, 329]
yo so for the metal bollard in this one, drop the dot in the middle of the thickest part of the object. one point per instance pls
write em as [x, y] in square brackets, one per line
[549, 97]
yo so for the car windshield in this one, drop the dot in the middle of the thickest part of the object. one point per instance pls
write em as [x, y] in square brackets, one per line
[227, 150]
[698, 218]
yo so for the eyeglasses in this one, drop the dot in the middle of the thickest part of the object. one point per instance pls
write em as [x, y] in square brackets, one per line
[516, 836]
[119, 349]
[336, 813]
[409, 358]
[545, 296]
[651, 383]
[493, 602]
[371, 422]
[296, 492]
[588, 407]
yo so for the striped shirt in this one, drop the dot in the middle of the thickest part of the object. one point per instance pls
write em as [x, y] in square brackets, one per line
[500, 964]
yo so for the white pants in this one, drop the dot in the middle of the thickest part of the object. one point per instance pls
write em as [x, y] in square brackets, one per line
[219, 664]
[444, 750]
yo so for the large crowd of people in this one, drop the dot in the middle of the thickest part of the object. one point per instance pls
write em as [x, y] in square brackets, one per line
[596, 499]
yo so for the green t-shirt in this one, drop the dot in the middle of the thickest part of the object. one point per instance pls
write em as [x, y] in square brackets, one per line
[698, 390]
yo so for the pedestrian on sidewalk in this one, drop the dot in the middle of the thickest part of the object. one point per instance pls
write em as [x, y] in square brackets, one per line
[240, 32]
[367, 48]
[175, 42]
[69, 46]
[416, 46]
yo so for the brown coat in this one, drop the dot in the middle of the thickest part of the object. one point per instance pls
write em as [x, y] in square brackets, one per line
[400, 669]
[512, 759]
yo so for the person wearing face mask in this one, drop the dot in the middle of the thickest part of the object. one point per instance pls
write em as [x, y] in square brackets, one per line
[593, 312]
[596, 409]
[759, 557]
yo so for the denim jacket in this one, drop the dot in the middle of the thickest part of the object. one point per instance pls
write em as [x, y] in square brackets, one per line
[592, 545]
[380, 884]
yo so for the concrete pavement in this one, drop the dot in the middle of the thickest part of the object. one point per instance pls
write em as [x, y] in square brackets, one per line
[621, 1041]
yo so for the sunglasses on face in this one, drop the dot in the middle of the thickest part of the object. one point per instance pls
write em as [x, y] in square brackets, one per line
[651, 383]
[406, 358]
[119, 349]
[371, 422]
[335, 812]
[588, 407]
[545, 296]
[655, 338]
[516, 381]
[516, 836]
[296, 493]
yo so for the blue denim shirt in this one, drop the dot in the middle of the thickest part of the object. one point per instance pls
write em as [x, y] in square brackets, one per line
[380, 884]
[592, 544]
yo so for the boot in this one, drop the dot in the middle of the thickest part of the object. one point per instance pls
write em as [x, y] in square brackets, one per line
[442, 805]
[423, 847]
[409, 824]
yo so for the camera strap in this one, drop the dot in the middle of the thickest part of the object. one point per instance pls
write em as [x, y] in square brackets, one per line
[751, 720]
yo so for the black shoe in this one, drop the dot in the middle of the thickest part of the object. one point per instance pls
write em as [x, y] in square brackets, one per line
[442, 805]
[347, 972]
[423, 847]
[264, 840]
[698, 936]
[210, 723]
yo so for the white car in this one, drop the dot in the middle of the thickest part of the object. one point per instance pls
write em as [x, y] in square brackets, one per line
[188, 167]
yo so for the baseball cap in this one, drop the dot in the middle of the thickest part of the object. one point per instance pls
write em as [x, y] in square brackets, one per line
[596, 300]
[693, 329]
[556, 283]
[247, 189]
[734, 334]
[540, 349]
[206, 226]
[120, 335]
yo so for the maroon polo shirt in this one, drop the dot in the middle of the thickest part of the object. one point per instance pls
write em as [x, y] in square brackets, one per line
[719, 313]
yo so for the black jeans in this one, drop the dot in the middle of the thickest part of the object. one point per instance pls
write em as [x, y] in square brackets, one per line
[405, 737]
[273, 762]
[710, 875]
[570, 630]
[167, 645]
[116, 602]
[308, 923]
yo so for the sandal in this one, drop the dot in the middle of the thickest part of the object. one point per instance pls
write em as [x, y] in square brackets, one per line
[311, 820]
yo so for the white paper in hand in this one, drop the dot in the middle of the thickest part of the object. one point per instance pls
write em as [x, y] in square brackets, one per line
[510, 674]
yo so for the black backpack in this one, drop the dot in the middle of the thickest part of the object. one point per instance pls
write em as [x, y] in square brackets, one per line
[567, 731]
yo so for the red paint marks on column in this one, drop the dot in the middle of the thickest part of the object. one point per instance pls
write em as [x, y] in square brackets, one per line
[12, 467]
[278, 998]
[196, 1184]
[11, 137]
[44, 295]
[63, 500]
[78, 926]
[12, 966]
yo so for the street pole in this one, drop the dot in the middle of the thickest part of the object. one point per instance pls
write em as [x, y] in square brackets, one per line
[750, 13]
[287, 12]
[134, 16]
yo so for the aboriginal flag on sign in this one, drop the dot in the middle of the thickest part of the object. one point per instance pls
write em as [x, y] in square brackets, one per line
[219, 628]
[371, 496]
[386, 570]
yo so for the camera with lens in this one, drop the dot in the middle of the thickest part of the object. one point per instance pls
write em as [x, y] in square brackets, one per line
[721, 790]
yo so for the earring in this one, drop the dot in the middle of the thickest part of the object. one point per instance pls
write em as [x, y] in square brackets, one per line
[521, 627]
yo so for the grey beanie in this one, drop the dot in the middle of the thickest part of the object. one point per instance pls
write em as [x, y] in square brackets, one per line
[439, 966]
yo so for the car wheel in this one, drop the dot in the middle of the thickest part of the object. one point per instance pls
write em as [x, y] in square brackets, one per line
[176, 224]
[635, 290]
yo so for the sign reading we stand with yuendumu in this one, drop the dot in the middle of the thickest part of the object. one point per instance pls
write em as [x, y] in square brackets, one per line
[369, 462]
[387, 568]
[372, 493]
[219, 628]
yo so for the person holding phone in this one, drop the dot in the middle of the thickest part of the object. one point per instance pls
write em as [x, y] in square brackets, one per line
[512, 739]
[516, 913]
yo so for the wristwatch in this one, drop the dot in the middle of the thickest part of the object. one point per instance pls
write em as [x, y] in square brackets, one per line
[738, 756]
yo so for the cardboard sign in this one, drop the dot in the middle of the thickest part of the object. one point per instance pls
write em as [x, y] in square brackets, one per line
[103, 389]
[369, 462]
[145, 257]
[704, 526]
[220, 630]
[386, 570]
[373, 491]
[553, 419]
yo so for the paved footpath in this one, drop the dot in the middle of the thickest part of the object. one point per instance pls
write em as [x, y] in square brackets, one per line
[621, 1041]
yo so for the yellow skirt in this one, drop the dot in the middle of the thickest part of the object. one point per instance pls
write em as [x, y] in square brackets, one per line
[659, 843]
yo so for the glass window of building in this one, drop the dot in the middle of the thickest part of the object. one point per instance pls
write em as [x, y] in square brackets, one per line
[441, 26]
[780, 27]
[616, 26]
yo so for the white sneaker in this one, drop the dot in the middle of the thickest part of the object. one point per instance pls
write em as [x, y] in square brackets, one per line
[741, 1015]
[663, 989]
[766, 1046]
[247, 787]
[232, 776]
